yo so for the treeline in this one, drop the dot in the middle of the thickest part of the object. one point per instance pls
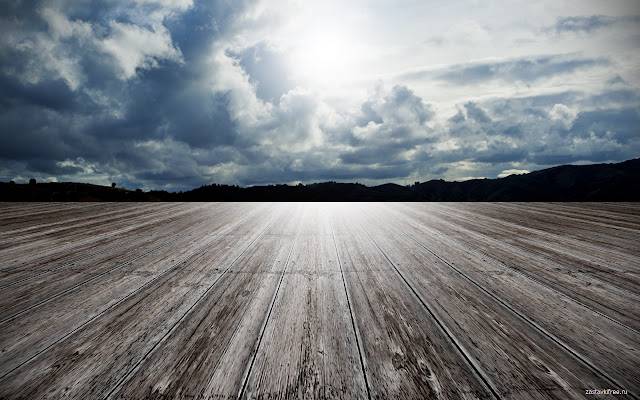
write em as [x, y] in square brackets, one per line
[597, 182]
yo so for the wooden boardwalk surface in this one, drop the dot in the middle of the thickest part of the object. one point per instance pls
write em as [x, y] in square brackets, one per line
[319, 301]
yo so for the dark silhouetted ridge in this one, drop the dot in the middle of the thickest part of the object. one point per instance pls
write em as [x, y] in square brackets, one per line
[597, 182]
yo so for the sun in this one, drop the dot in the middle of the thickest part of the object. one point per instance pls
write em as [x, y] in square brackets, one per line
[325, 57]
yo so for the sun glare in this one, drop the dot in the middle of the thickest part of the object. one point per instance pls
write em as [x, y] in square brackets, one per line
[325, 57]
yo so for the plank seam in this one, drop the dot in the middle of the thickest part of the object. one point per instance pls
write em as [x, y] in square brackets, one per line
[146, 219]
[263, 328]
[563, 294]
[577, 301]
[137, 365]
[73, 219]
[552, 237]
[484, 379]
[79, 284]
[534, 324]
[111, 307]
[94, 242]
[184, 260]
[118, 266]
[353, 323]
[88, 257]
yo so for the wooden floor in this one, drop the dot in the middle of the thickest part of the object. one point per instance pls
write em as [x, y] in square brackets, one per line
[304, 301]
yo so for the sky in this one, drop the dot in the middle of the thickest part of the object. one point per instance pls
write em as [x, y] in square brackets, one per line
[174, 94]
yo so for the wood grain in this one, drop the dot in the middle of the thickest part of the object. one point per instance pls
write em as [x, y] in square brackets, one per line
[319, 301]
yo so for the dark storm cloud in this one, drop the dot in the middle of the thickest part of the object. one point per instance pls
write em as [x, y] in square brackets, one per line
[616, 96]
[591, 23]
[163, 103]
[476, 113]
[620, 125]
[53, 94]
[105, 117]
[541, 130]
[389, 125]
[387, 154]
[38, 136]
[567, 156]
[499, 154]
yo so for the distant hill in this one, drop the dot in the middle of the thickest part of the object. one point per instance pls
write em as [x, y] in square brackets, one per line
[597, 182]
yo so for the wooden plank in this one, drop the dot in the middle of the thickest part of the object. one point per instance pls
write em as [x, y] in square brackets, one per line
[61, 213]
[625, 208]
[587, 254]
[47, 254]
[117, 247]
[602, 296]
[33, 226]
[309, 348]
[207, 354]
[479, 306]
[16, 215]
[89, 363]
[95, 229]
[47, 283]
[605, 214]
[585, 231]
[29, 334]
[407, 353]
[57, 223]
[22, 249]
[23, 214]
[410, 301]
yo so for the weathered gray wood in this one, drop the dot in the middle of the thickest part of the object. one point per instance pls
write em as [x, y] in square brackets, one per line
[541, 216]
[91, 362]
[512, 350]
[78, 223]
[327, 301]
[32, 332]
[586, 249]
[407, 353]
[14, 215]
[36, 221]
[67, 238]
[26, 288]
[208, 354]
[558, 272]
[309, 348]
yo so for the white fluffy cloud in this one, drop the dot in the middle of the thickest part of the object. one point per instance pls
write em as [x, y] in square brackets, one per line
[136, 48]
[563, 114]
[508, 172]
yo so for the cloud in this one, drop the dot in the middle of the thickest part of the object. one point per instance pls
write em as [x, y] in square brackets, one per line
[62, 28]
[591, 23]
[562, 113]
[526, 70]
[466, 32]
[542, 130]
[136, 48]
[170, 4]
[390, 126]
[267, 70]
[178, 93]
[476, 113]
[508, 172]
